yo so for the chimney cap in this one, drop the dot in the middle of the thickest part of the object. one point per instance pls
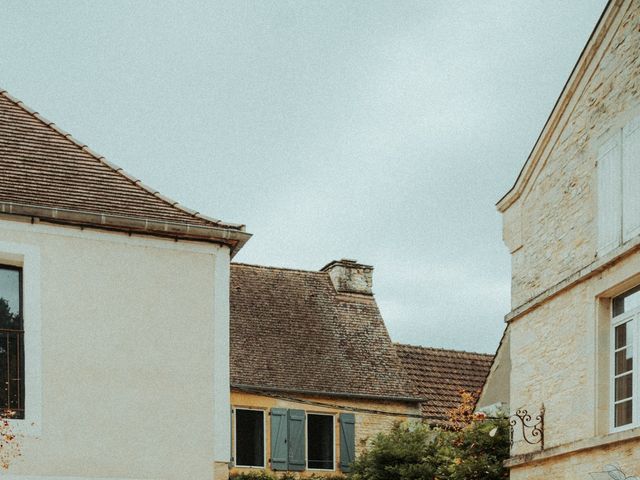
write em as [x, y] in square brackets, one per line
[346, 262]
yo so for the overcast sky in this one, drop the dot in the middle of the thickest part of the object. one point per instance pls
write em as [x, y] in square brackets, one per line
[378, 131]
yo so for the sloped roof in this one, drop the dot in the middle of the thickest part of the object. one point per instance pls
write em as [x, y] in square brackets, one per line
[291, 331]
[440, 375]
[43, 166]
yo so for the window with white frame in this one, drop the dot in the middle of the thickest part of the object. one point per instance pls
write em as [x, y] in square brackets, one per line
[618, 192]
[624, 342]
[320, 441]
[249, 438]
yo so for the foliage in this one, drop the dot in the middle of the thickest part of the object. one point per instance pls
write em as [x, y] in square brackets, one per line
[8, 319]
[9, 445]
[463, 415]
[471, 448]
[251, 476]
[285, 476]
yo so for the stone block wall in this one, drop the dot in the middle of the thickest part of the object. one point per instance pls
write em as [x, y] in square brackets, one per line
[554, 220]
[560, 352]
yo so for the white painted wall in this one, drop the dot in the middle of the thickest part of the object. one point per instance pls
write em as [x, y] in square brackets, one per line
[128, 364]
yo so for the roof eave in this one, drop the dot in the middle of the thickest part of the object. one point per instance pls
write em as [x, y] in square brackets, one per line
[364, 396]
[234, 237]
[570, 87]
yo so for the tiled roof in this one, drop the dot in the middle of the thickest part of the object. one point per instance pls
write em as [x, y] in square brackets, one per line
[291, 331]
[440, 375]
[41, 165]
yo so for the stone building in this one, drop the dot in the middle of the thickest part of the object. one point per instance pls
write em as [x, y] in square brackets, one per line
[314, 374]
[571, 223]
[313, 370]
[114, 316]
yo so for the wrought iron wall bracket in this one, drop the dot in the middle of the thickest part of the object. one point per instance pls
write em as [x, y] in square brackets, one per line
[532, 427]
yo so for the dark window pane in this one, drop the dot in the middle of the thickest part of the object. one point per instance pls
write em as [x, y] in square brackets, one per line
[10, 314]
[250, 438]
[624, 335]
[320, 441]
[627, 301]
[623, 413]
[624, 387]
[624, 360]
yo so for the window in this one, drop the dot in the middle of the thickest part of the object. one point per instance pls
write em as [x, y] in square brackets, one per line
[249, 445]
[11, 343]
[301, 440]
[618, 195]
[320, 441]
[624, 332]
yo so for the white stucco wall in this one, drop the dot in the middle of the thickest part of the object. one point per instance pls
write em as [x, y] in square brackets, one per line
[130, 341]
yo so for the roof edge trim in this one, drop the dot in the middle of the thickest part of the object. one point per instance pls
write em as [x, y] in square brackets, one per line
[576, 76]
[365, 396]
[233, 238]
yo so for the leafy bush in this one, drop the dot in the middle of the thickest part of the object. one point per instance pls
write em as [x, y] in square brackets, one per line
[471, 448]
[251, 476]
[417, 452]
[284, 476]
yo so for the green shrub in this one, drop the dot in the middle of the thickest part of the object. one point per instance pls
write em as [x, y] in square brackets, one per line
[285, 476]
[417, 452]
[251, 476]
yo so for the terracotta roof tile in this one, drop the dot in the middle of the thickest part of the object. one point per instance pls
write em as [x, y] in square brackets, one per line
[440, 375]
[291, 331]
[44, 166]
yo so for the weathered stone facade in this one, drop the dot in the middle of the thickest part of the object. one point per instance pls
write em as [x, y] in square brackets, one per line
[553, 221]
[561, 288]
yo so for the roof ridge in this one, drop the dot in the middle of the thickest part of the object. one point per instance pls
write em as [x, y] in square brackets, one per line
[115, 168]
[270, 267]
[438, 349]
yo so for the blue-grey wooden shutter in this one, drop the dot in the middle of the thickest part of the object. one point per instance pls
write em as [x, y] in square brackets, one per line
[297, 446]
[279, 436]
[347, 441]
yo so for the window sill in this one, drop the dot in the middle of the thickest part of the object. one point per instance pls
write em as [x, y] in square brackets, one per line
[574, 447]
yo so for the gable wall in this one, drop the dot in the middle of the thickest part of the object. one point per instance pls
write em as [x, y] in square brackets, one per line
[560, 349]
[551, 229]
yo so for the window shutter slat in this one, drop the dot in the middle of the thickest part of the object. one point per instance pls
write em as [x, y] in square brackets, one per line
[609, 195]
[631, 179]
[279, 439]
[297, 447]
[347, 441]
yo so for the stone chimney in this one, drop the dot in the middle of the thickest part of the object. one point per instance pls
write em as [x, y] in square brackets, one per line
[349, 276]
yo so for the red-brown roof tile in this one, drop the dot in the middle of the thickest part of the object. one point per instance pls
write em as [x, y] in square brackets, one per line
[44, 166]
[440, 375]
